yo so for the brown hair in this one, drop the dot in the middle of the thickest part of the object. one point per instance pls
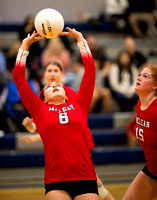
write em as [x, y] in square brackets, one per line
[153, 69]
[54, 63]
[42, 95]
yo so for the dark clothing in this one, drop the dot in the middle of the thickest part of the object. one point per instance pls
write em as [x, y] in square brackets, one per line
[73, 188]
[148, 173]
[138, 59]
[141, 5]
[34, 49]
[98, 55]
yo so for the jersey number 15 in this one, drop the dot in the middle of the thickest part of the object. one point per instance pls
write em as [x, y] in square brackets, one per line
[139, 134]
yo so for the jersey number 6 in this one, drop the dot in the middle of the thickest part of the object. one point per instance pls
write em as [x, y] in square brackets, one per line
[63, 118]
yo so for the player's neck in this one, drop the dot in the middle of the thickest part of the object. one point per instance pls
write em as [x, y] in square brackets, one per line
[57, 101]
[146, 101]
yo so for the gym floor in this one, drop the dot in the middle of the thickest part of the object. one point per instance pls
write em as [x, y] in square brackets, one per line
[27, 183]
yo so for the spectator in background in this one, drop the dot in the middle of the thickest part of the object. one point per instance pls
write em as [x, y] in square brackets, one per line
[78, 71]
[28, 28]
[137, 57]
[99, 55]
[2, 62]
[98, 52]
[33, 61]
[68, 44]
[141, 11]
[102, 95]
[11, 56]
[56, 51]
[3, 94]
[102, 98]
[122, 79]
[4, 127]
[14, 106]
[116, 12]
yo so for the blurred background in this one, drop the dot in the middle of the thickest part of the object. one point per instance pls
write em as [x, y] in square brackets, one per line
[122, 36]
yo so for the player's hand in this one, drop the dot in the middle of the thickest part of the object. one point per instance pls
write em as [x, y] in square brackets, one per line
[31, 38]
[29, 139]
[26, 121]
[29, 124]
[73, 33]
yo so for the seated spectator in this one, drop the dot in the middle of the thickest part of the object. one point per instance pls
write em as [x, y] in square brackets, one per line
[102, 95]
[68, 44]
[78, 72]
[28, 28]
[11, 58]
[122, 79]
[12, 53]
[2, 62]
[5, 77]
[98, 51]
[33, 60]
[141, 11]
[137, 57]
[102, 98]
[14, 106]
[116, 12]
[56, 51]
[3, 114]
[99, 54]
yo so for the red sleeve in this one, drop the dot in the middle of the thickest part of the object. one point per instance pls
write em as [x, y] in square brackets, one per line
[130, 127]
[85, 93]
[28, 97]
[71, 93]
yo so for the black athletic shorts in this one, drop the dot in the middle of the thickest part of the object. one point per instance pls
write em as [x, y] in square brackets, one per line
[148, 173]
[73, 188]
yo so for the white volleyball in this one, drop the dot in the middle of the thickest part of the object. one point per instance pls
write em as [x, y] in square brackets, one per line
[49, 23]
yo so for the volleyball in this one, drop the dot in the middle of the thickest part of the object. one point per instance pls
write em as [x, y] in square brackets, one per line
[49, 23]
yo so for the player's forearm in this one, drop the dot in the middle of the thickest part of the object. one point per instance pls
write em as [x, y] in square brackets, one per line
[88, 81]
[27, 95]
[37, 138]
[87, 58]
[25, 45]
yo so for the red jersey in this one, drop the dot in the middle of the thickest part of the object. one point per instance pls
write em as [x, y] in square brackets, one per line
[145, 131]
[72, 94]
[130, 127]
[62, 128]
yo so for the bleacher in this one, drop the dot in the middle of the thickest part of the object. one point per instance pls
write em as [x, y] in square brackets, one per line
[109, 134]
[108, 130]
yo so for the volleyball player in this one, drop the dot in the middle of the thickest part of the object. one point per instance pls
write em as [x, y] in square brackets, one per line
[144, 186]
[61, 124]
[53, 73]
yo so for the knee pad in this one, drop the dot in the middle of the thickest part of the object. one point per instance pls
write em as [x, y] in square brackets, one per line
[102, 192]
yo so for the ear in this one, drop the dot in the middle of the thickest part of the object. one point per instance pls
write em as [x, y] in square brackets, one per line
[155, 86]
[66, 98]
[45, 101]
